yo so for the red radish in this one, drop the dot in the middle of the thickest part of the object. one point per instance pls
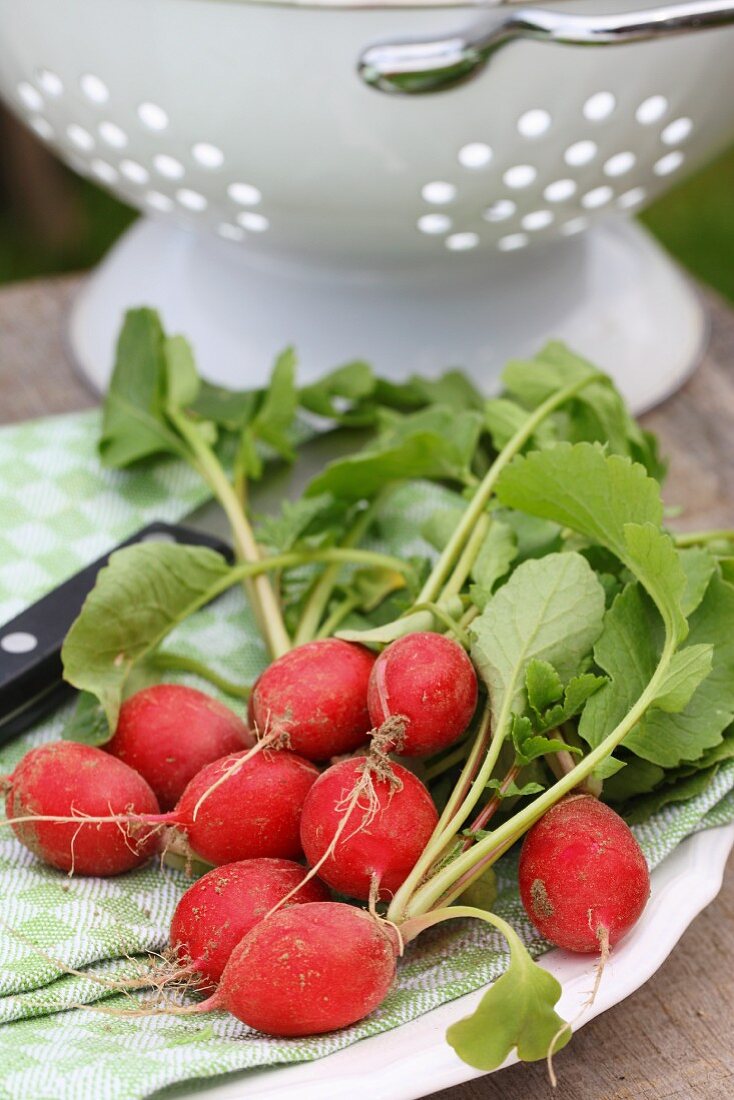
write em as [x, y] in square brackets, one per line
[375, 827]
[317, 694]
[251, 810]
[427, 679]
[307, 970]
[219, 909]
[239, 807]
[583, 878]
[169, 732]
[68, 780]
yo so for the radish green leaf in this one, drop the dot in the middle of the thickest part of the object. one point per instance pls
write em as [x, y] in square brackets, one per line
[550, 610]
[144, 592]
[516, 1013]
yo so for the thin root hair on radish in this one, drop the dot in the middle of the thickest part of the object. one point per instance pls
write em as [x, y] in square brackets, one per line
[87, 825]
[153, 976]
[389, 736]
[349, 801]
[82, 810]
[269, 740]
[286, 976]
[365, 820]
[369, 769]
[604, 953]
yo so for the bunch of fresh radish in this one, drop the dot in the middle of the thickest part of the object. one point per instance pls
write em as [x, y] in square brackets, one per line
[259, 931]
[551, 642]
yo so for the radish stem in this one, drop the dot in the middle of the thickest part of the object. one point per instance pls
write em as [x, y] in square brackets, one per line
[338, 615]
[179, 662]
[446, 620]
[260, 591]
[502, 838]
[465, 563]
[442, 569]
[436, 845]
[318, 600]
[698, 538]
[493, 805]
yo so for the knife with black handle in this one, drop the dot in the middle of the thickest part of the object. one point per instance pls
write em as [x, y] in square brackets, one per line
[31, 681]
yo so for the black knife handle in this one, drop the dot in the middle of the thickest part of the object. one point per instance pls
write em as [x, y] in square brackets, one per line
[31, 681]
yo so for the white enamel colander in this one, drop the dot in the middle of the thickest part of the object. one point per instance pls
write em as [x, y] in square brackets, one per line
[412, 183]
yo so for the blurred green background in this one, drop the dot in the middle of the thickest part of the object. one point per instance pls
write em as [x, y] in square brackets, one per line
[52, 221]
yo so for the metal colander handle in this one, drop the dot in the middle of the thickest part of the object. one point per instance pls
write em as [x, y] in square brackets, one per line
[433, 65]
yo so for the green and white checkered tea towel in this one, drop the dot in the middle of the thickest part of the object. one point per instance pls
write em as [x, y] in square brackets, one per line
[60, 510]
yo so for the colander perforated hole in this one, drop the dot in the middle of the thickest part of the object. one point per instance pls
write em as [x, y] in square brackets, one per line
[537, 219]
[597, 197]
[207, 155]
[500, 211]
[80, 137]
[677, 131]
[158, 201]
[519, 176]
[94, 88]
[256, 223]
[168, 166]
[651, 109]
[575, 225]
[671, 162]
[191, 200]
[475, 155]
[580, 153]
[512, 242]
[244, 194]
[438, 192]
[462, 242]
[104, 171]
[632, 198]
[230, 232]
[533, 123]
[152, 116]
[50, 82]
[434, 224]
[560, 190]
[112, 134]
[29, 96]
[42, 127]
[619, 164]
[134, 172]
[599, 106]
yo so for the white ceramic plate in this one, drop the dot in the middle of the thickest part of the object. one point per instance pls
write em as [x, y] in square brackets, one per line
[415, 1060]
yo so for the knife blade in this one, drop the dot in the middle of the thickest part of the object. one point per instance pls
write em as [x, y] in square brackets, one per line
[31, 683]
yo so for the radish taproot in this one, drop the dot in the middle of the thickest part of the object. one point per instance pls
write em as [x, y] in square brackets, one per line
[70, 782]
[428, 680]
[169, 732]
[363, 827]
[317, 695]
[583, 878]
[221, 907]
[307, 970]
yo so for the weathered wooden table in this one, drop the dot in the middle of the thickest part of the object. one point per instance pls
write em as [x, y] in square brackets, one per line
[672, 1040]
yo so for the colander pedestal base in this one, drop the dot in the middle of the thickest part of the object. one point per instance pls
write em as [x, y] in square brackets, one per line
[612, 294]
